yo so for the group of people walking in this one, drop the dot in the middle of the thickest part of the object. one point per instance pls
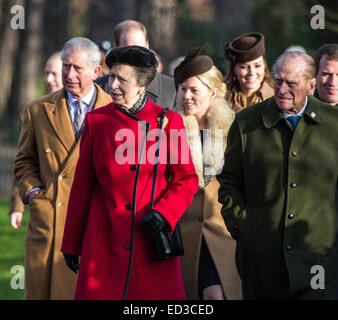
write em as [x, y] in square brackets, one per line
[113, 178]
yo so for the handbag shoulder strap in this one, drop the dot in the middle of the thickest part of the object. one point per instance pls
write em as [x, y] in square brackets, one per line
[157, 156]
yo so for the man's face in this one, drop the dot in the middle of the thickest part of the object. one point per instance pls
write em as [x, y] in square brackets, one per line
[53, 77]
[291, 85]
[133, 37]
[327, 80]
[77, 76]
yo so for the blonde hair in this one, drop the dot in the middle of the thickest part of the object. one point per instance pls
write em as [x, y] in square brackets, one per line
[213, 79]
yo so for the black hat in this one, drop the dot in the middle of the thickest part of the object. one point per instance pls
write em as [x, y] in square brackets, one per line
[133, 55]
[246, 47]
[192, 65]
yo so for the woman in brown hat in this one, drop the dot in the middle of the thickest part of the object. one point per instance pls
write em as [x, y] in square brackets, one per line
[248, 79]
[208, 264]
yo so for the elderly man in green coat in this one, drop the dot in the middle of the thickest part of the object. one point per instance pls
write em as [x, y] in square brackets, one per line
[279, 189]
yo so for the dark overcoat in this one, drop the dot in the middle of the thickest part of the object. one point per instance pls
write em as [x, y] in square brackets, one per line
[102, 199]
[279, 196]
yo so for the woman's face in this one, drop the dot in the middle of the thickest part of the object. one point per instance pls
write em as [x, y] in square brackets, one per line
[196, 96]
[250, 74]
[123, 86]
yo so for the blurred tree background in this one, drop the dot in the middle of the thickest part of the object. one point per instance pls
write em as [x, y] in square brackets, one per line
[174, 26]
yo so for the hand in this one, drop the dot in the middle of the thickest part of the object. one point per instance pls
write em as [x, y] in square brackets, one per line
[153, 222]
[72, 261]
[16, 219]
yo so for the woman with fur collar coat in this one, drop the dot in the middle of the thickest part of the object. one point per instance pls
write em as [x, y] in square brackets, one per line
[208, 265]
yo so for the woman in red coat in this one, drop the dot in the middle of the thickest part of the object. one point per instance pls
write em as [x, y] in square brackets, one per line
[113, 183]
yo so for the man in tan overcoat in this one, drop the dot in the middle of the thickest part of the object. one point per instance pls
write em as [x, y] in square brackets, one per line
[53, 82]
[44, 167]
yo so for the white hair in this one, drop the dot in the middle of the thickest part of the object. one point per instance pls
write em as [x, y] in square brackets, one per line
[84, 44]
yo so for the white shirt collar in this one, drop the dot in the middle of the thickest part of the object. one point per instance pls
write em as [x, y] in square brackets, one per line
[300, 113]
[86, 99]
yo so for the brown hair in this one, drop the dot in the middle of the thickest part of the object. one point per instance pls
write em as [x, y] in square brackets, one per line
[126, 26]
[330, 50]
[234, 95]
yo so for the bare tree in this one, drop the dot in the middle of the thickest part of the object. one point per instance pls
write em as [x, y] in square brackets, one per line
[28, 61]
[9, 39]
[160, 18]
[110, 13]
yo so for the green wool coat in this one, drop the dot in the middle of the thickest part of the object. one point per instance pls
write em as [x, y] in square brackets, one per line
[279, 196]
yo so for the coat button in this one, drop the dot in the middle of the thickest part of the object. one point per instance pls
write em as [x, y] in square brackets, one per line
[129, 206]
[291, 216]
[143, 126]
[200, 219]
[287, 247]
[294, 153]
[293, 184]
[133, 167]
[127, 246]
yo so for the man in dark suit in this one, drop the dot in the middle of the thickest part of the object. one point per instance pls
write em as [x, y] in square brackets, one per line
[162, 89]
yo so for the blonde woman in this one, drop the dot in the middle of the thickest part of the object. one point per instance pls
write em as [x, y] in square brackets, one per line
[208, 264]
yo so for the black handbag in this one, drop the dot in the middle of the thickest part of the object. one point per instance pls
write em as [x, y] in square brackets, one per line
[167, 246]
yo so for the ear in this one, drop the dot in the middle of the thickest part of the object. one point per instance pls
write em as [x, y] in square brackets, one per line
[311, 86]
[214, 94]
[96, 72]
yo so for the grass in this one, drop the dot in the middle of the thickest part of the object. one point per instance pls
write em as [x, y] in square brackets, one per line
[12, 244]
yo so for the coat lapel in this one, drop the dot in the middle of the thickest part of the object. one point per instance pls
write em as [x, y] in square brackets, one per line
[101, 100]
[57, 112]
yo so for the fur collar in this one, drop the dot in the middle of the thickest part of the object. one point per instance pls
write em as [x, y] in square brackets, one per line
[209, 159]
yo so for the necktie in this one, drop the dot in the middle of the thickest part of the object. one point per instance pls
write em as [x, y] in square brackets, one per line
[293, 120]
[78, 118]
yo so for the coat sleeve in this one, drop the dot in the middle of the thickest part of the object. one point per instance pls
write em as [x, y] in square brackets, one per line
[26, 163]
[80, 195]
[16, 204]
[231, 193]
[183, 182]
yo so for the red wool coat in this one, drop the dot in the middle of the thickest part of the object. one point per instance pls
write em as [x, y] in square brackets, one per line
[98, 224]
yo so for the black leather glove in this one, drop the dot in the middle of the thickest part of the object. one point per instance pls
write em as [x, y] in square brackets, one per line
[153, 222]
[72, 261]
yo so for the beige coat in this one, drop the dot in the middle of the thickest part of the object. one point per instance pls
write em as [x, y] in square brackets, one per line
[204, 216]
[46, 158]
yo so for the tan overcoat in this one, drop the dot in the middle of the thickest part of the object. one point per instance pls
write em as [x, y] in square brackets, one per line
[203, 217]
[46, 158]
